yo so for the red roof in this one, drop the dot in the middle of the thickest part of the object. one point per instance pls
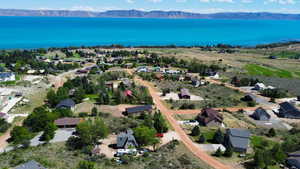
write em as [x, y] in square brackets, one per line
[128, 93]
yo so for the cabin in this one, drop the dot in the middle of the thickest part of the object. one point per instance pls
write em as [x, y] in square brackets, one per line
[67, 122]
[126, 140]
[7, 76]
[293, 160]
[261, 114]
[237, 139]
[210, 117]
[184, 94]
[288, 110]
[30, 165]
[138, 110]
[66, 104]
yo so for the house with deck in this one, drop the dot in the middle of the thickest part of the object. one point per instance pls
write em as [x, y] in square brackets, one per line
[126, 140]
[288, 110]
[210, 117]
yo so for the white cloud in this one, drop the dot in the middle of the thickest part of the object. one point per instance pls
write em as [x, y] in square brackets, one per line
[282, 2]
[181, 1]
[247, 1]
[130, 1]
[155, 1]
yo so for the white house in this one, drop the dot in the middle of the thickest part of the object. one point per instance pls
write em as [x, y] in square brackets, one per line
[259, 86]
[7, 76]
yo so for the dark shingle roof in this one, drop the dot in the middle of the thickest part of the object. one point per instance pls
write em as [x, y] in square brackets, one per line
[125, 137]
[287, 109]
[30, 165]
[239, 138]
[138, 109]
[67, 103]
[261, 114]
[208, 115]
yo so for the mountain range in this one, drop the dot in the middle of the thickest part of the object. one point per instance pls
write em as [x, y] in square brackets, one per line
[149, 14]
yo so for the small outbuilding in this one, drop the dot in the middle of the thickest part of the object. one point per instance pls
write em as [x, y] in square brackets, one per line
[261, 114]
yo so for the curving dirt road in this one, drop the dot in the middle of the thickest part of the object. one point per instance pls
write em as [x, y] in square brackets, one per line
[184, 137]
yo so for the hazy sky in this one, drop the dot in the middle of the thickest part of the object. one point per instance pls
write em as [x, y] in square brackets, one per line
[201, 6]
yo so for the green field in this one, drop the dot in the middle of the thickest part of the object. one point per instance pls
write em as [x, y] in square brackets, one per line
[254, 69]
[287, 54]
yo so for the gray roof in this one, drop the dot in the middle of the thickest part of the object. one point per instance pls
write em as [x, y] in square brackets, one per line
[239, 138]
[138, 109]
[125, 137]
[261, 114]
[30, 165]
[67, 103]
[289, 110]
[184, 92]
[5, 74]
[294, 154]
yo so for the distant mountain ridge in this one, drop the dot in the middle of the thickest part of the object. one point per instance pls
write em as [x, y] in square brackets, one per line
[149, 14]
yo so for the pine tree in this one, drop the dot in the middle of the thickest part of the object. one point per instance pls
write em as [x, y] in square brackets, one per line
[272, 132]
[195, 131]
[228, 152]
[219, 137]
[219, 152]
[202, 139]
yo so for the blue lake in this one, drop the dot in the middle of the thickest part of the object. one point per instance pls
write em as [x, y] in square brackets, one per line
[37, 32]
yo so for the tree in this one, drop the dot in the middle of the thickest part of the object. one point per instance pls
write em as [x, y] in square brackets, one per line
[20, 135]
[219, 137]
[94, 111]
[278, 154]
[91, 131]
[195, 131]
[259, 159]
[52, 98]
[272, 132]
[79, 95]
[202, 139]
[145, 135]
[49, 132]
[160, 124]
[86, 165]
[219, 152]
[228, 152]
[61, 112]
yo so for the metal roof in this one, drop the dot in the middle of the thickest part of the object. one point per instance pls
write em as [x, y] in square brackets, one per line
[138, 109]
[66, 103]
[30, 165]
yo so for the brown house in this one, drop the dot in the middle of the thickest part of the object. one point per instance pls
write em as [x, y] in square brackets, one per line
[67, 122]
[210, 117]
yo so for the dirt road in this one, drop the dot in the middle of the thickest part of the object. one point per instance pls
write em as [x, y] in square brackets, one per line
[232, 109]
[183, 136]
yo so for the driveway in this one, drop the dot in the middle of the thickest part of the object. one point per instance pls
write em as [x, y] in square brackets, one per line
[61, 135]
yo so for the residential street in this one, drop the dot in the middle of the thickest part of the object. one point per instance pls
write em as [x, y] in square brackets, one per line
[183, 136]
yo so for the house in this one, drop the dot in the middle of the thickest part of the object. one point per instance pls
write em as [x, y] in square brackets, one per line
[142, 70]
[288, 110]
[67, 122]
[259, 86]
[184, 94]
[293, 160]
[214, 75]
[261, 114]
[126, 140]
[210, 117]
[248, 98]
[138, 109]
[170, 71]
[66, 104]
[30, 165]
[238, 139]
[7, 76]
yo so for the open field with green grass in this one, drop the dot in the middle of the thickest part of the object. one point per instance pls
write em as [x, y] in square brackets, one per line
[254, 70]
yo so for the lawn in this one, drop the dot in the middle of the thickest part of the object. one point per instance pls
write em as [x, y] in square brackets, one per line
[254, 69]
[287, 54]
[261, 142]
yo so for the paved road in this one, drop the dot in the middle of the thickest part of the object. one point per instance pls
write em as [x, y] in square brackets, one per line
[183, 136]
